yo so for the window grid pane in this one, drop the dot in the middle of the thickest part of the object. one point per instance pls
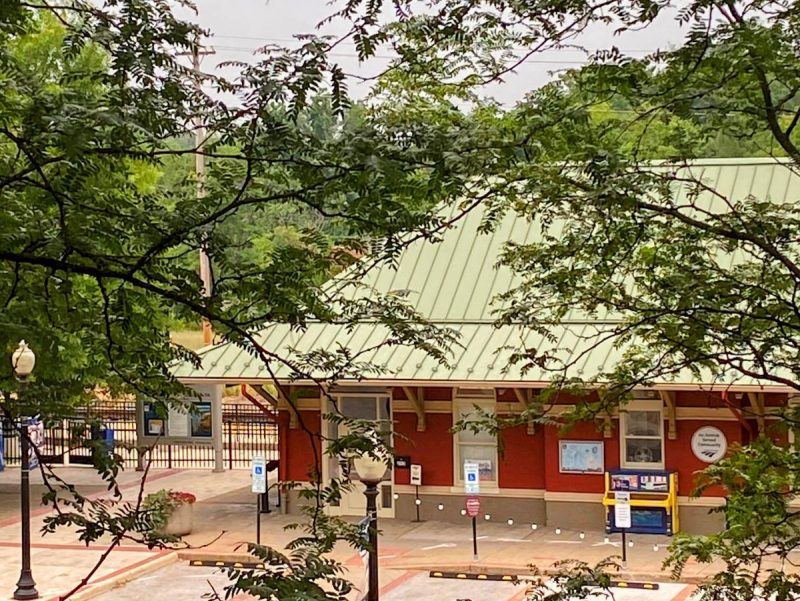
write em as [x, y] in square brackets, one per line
[486, 458]
[643, 423]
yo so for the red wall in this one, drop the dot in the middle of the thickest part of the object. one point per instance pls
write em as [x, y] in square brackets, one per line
[522, 463]
[528, 461]
[680, 458]
[433, 448]
[556, 481]
[296, 447]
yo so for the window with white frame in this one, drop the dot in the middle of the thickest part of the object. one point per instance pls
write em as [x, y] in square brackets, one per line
[475, 447]
[642, 433]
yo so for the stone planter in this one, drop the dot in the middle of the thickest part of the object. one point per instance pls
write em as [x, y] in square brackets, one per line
[180, 520]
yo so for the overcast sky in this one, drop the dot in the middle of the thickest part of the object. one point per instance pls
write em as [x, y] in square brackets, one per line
[241, 26]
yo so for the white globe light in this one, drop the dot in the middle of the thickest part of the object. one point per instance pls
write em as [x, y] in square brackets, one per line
[655, 547]
[487, 517]
[370, 469]
[510, 521]
[630, 543]
[605, 539]
[418, 501]
[23, 360]
[582, 535]
[558, 530]
[440, 506]
[463, 512]
[534, 526]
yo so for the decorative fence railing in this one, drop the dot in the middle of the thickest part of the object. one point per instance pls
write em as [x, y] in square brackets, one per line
[247, 431]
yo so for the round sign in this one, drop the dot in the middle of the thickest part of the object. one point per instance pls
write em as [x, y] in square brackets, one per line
[709, 444]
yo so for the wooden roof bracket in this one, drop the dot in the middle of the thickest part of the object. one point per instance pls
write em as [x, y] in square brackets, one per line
[526, 398]
[757, 405]
[417, 398]
[608, 428]
[668, 398]
[294, 421]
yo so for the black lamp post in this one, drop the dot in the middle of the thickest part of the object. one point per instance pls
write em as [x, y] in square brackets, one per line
[23, 361]
[370, 471]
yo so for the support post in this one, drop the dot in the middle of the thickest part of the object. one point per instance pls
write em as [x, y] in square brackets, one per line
[624, 550]
[139, 435]
[371, 492]
[26, 587]
[258, 519]
[216, 428]
[474, 538]
[200, 176]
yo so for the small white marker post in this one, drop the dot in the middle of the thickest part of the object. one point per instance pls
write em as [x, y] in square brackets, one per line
[258, 475]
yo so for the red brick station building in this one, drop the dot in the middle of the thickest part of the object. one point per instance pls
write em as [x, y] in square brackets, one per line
[655, 444]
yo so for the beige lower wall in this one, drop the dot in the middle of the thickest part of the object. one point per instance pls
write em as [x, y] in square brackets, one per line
[292, 502]
[576, 516]
[555, 514]
[499, 508]
[700, 520]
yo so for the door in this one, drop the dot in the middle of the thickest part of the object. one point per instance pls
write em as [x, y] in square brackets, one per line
[375, 408]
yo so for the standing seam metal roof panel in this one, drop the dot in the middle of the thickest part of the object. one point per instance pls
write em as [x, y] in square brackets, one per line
[455, 282]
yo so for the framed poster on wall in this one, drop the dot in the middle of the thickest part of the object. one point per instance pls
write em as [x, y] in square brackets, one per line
[201, 419]
[154, 423]
[581, 457]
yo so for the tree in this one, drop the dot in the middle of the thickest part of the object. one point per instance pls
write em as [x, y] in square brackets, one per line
[704, 281]
[98, 235]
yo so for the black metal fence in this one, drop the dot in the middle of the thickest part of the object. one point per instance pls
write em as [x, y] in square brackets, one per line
[247, 431]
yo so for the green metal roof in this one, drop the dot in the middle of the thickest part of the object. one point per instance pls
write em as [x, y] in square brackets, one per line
[453, 283]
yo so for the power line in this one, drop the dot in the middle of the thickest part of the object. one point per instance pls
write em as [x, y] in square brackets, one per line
[295, 40]
[539, 61]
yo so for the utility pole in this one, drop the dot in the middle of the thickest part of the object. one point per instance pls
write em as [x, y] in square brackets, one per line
[200, 175]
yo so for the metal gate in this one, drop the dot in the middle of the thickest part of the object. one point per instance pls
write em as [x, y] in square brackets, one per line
[246, 431]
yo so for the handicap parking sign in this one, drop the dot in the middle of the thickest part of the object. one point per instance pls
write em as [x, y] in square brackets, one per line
[258, 474]
[471, 482]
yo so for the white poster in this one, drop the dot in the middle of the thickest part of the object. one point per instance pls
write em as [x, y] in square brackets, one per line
[581, 457]
[622, 509]
[416, 474]
[178, 422]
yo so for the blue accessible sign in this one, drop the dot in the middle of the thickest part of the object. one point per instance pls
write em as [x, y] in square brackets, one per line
[472, 483]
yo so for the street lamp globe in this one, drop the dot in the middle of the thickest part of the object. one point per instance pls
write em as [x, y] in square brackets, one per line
[369, 468]
[23, 360]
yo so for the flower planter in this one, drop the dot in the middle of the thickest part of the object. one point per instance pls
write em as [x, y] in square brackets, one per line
[180, 520]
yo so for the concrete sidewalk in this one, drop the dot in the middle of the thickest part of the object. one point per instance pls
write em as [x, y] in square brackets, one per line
[60, 560]
[224, 519]
[408, 546]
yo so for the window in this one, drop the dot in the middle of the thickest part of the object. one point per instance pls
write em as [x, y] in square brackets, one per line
[642, 434]
[480, 447]
[374, 408]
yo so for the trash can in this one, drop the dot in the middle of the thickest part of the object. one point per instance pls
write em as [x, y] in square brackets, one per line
[108, 439]
[102, 440]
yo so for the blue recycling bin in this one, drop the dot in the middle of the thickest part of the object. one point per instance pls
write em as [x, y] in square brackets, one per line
[108, 439]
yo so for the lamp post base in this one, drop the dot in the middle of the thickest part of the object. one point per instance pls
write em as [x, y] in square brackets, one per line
[26, 587]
